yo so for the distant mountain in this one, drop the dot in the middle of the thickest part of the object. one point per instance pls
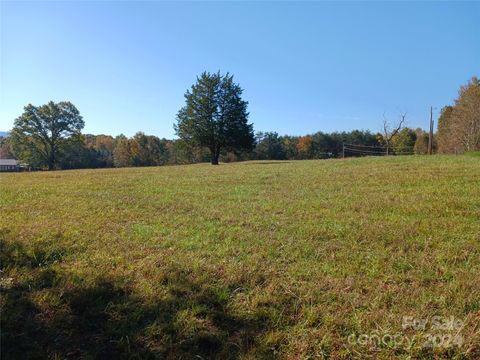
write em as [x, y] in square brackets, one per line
[3, 133]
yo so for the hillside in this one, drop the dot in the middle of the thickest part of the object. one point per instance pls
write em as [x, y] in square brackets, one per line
[243, 260]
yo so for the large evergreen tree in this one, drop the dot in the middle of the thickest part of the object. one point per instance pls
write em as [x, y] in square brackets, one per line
[215, 116]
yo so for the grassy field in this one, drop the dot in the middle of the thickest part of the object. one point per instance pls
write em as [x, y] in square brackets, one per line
[246, 260]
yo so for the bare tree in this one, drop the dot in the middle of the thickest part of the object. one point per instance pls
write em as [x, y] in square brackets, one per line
[392, 129]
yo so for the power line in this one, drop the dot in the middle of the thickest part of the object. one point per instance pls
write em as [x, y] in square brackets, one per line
[369, 146]
[380, 146]
[374, 153]
[364, 151]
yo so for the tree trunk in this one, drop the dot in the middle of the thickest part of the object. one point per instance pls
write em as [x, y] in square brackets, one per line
[215, 152]
[51, 153]
[51, 161]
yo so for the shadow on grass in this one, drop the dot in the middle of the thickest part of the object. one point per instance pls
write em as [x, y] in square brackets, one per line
[46, 314]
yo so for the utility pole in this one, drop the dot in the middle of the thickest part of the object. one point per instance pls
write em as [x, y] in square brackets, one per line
[430, 134]
[343, 150]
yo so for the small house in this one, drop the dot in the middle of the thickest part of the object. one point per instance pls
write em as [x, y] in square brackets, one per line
[9, 165]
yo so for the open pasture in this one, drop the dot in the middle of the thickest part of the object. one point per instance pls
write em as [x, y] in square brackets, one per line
[244, 260]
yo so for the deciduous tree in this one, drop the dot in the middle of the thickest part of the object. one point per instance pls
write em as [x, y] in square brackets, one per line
[421, 142]
[40, 132]
[466, 115]
[459, 125]
[305, 147]
[445, 138]
[404, 141]
[122, 156]
[390, 130]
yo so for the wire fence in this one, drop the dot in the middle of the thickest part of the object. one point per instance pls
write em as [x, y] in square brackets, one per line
[375, 150]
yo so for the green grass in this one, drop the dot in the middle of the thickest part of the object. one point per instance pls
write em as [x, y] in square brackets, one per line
[473, 153]
[245, 260]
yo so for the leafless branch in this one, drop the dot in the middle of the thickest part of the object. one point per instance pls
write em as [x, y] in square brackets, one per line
[390, 134]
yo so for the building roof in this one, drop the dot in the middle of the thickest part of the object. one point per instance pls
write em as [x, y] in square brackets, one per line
[8, 162]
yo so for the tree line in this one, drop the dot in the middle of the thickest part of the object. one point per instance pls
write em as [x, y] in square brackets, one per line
[103, 151]
[213, 126]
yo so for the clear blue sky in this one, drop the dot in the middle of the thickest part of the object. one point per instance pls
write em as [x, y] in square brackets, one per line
[305, 67]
